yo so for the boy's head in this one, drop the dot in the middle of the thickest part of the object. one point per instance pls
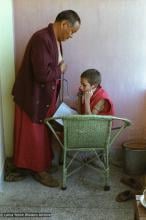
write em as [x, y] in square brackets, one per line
[90, 79]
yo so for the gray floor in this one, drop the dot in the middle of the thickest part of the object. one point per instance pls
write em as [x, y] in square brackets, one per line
[84, 199]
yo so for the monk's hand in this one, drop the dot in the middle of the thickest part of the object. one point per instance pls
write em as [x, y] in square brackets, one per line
[63, 67]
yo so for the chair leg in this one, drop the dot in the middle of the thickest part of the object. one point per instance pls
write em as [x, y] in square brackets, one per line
[64, 187]
[64, 172]
[106, 186]
[61, 157]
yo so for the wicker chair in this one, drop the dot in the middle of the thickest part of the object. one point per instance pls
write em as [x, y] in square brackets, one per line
[86, 133]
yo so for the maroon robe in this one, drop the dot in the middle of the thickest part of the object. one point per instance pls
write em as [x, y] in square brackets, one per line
[35, 93]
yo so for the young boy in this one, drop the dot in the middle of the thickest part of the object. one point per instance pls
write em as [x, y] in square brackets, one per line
[92, 98]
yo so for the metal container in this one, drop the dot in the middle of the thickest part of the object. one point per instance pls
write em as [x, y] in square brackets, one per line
[134, 152]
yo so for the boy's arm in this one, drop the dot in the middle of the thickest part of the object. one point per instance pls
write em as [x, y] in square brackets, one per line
[96, 109]
[99, 107]
[79, 103]
[87, 96]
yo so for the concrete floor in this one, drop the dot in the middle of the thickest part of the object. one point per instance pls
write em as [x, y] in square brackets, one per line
[84, 199]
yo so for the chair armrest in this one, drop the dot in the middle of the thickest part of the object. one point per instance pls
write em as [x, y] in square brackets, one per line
[116, 131]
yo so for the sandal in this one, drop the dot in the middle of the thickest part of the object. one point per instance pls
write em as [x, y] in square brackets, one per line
[45, 179]
[13, 173]
[129, 181]
[14, 176]
[124, 196]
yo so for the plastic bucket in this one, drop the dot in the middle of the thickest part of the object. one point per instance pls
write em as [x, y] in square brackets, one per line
[134, 152]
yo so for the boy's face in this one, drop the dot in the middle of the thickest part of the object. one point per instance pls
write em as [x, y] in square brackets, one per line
[85, 85]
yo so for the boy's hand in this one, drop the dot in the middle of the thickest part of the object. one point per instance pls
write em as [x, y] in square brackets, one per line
[88, 95]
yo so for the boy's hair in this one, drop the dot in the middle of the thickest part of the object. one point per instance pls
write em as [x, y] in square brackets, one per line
[92, 75]
[69, 15]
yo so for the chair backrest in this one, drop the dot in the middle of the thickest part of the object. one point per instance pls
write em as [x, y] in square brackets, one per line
[88, 131]
[91, 131]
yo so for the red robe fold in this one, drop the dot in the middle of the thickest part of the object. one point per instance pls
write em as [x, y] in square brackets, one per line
[32, 141]
[32, 145]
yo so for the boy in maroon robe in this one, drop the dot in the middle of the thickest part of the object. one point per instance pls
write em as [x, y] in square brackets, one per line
[93, 99]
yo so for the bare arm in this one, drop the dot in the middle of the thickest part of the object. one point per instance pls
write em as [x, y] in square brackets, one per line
[98, 107]
[79, 103]
[87, 96]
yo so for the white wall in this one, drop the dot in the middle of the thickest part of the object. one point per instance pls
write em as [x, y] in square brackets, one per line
[112, 39]
[6, 79]
[1, 143]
